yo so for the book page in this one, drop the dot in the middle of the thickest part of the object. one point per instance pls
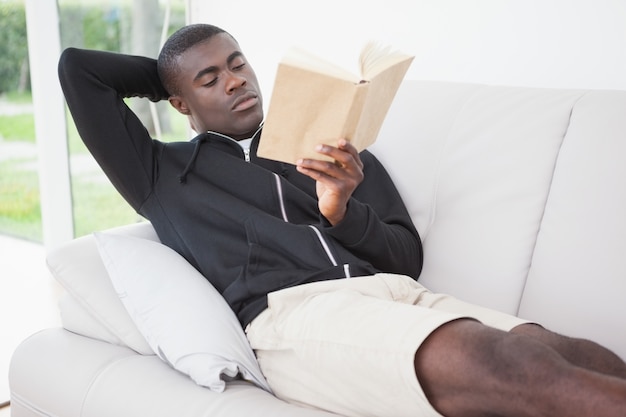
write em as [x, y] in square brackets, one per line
[300, 58]
[376, 57]
[383, 88]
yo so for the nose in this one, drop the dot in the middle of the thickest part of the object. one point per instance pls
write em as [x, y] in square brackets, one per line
[234, 82]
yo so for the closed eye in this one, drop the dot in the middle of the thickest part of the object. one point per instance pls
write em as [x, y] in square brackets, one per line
[210, 83]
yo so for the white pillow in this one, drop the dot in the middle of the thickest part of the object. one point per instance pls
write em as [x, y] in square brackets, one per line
[184, 319]
[92, 308]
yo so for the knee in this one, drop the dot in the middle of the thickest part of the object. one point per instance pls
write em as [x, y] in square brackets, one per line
[579, 352]
[469, 350]
[525, 361]
[465, 365]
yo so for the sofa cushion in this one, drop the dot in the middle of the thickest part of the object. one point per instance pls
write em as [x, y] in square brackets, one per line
[58, 373]
[79, 320]
[577, 281]
[184, 319]
[91, 307]
[474, 165]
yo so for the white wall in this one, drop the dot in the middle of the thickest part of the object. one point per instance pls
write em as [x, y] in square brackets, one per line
[539, 43]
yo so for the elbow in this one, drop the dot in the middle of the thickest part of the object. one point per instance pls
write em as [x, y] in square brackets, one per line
[420, 258]
[418, 266]
[417, 261]
[68, 56]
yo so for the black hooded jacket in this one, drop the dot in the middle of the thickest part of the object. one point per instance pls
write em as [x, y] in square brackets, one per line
[249, 225]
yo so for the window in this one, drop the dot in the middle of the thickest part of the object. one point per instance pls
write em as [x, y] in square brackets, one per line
[128, 26]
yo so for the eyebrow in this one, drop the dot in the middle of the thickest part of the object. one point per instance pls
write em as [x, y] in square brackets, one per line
[214, 68]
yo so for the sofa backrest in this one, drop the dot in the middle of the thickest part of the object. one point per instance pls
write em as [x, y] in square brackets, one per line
[519, 195]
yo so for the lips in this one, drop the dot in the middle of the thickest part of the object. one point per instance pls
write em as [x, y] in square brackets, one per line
[245, 101]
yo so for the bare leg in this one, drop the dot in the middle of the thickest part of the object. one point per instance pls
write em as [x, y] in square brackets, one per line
[580, 352]
[468, 369]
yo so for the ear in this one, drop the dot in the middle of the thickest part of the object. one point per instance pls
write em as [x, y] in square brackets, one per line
[179, 105]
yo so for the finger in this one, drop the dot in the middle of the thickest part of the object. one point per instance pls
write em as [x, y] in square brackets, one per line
[345, 154]
[323, 178]
[326, 168]
[346, 146]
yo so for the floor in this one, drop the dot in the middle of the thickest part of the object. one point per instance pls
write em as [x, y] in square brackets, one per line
[28, 300]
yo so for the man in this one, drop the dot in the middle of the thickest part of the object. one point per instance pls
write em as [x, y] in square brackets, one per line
[279, 240]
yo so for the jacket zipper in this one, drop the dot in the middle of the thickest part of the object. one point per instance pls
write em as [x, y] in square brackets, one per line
[320, 237]
[246, 152]
[346, 267]
[324, 245]
[281, 202]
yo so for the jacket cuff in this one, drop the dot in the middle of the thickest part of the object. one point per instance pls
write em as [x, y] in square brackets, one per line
[353, 228]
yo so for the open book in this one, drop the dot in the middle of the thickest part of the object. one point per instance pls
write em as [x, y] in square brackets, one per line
[314, 101]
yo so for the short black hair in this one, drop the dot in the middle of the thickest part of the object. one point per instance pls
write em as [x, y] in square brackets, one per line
[180, 41]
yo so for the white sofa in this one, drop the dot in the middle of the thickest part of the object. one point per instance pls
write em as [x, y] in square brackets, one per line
[520, 198]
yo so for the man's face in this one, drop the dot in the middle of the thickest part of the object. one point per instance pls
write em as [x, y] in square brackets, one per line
[218, 89]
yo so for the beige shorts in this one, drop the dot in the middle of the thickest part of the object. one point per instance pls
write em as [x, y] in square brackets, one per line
[348, 346]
